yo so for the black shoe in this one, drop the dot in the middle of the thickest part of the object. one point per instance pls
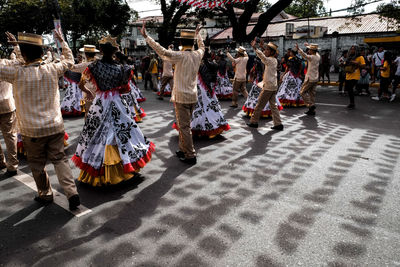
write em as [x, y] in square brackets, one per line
[233, 106]
[190, 161]
[180, 154]
[351, 106]
[252, 125]
[310, 112]
[312, 108]
[43, 201]
[9, 174]
[277, 127]
[160, 98]
[2, 167]
[74, 202]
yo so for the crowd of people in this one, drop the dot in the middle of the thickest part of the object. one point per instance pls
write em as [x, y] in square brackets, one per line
[369, 67]
[111, 147]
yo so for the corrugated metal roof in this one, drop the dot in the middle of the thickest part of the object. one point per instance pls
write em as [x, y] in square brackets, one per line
[343, 25]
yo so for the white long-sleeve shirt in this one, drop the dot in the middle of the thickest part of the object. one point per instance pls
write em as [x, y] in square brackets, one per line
[270, 80]
[187, 65]
[241, 63]
[312, 66]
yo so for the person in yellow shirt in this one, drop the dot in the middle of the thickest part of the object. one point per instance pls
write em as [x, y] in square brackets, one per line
[385, 77]
[153, 69]
[352, 68]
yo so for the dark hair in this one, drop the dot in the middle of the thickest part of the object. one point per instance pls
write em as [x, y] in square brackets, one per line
[388, 57]
[272, 51]
[344, 52]
[121, 57]
[357, 52]
[31, 52]
[108, 49]
[90, 54]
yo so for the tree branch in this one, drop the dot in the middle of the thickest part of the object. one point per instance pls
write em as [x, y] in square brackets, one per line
[250, 8]
[266, 17]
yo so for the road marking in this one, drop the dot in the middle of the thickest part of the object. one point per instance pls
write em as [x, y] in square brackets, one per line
[332, 105]
[59, 198]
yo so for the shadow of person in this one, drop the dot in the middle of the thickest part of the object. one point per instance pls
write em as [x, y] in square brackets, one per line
[142, 205]
[28, 226]
[162, 131]
[232, 112]
[95, 196]
[258, 146]
[309, 122]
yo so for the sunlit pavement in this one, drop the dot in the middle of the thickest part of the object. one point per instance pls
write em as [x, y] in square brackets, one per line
[323, 192]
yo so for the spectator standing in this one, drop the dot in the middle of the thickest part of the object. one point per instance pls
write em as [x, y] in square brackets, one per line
[167, 75]
[383, 91]
[377, 63]
[342, 73]
[153, 70]
[146, 76]
[325, 66]
[396, 79]
[352, 67]
[363, 82]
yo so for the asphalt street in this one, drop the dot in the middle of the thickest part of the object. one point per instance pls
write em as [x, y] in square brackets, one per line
[323, 192]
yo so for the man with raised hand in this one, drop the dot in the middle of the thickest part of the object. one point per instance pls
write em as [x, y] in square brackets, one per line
[37, 101]
[184, 92]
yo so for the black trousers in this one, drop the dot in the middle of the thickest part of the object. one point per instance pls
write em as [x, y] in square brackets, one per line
[384, 86]
[396, 82]
[349, 86]
[342, 79]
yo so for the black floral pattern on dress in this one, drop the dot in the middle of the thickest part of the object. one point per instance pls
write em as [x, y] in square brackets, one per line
[71, 101]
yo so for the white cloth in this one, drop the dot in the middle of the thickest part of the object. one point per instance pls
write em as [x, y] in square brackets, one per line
[378, 58]
[397, 62]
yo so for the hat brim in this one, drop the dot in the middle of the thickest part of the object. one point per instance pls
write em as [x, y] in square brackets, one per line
[309, 47]
[25, 42]
[272, 47]
[83, 50]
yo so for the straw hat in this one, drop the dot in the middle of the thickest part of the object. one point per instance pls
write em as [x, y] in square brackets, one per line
[29, 38]
[89, 49]
[188, 34]
[241, 49]
[110, 40]
[272, 46]
[313, 47]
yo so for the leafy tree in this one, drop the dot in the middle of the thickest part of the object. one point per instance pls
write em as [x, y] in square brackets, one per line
[172, 16]
[79, 18]
[306, 8]
[391, 12]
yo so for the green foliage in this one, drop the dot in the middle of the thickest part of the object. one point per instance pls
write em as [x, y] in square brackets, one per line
[88, 18]
[306, 8]
[391, 12]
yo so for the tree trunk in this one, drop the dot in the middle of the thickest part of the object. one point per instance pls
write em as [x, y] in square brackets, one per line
[266, 17]
[239, 26]
[166, 34]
